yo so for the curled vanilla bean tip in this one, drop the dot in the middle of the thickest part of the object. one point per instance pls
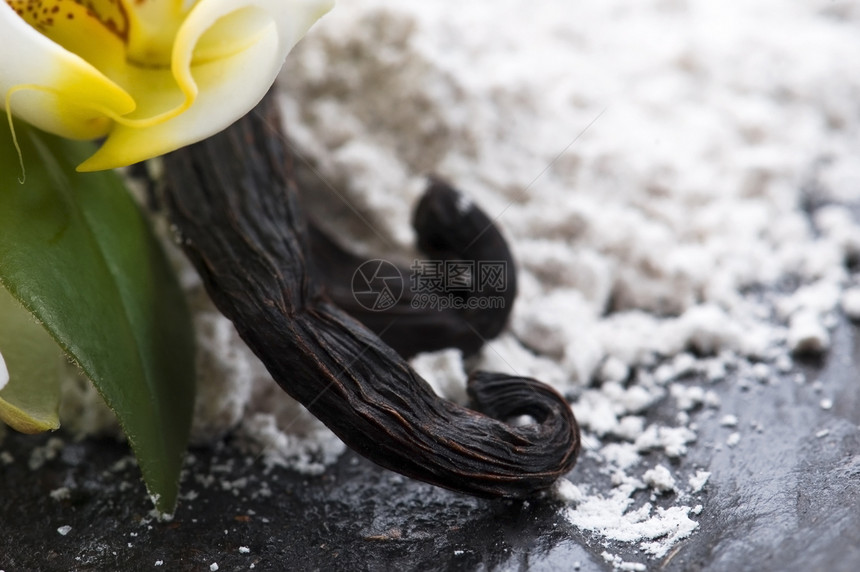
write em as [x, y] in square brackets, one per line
[452, 231]
[233, 201]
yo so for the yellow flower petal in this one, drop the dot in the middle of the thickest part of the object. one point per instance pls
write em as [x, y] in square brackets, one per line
[225, 57]
[152, 27]
[26, 421]
[52, 88]
[30, 397]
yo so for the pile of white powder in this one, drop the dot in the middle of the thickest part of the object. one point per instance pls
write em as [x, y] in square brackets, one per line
[649, 162]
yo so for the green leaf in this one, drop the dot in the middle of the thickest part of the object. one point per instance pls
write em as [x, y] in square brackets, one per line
[30, 400]
[77, 252]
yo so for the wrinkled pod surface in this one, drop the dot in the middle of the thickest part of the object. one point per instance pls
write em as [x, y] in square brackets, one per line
[233, 201]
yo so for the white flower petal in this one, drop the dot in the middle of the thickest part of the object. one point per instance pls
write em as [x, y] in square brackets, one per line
[4, 373]
[221, 81]
[52, 88]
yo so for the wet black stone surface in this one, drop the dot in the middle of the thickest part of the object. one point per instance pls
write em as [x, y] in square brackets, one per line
[356, 516]
[786, 497]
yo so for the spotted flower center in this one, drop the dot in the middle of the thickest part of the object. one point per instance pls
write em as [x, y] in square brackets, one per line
[109, 33]
[47, 15]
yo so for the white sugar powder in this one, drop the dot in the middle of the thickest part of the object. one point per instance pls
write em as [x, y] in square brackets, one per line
[637, 238]
[655, 530]
[646, 162]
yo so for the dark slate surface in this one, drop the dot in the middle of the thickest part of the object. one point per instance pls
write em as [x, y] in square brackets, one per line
[784, 498]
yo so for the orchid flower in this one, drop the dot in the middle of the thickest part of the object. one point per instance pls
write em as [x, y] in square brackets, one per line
[79, 265]
[149, 76]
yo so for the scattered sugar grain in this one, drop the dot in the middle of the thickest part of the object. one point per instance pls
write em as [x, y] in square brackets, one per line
[629, 427]
[698, 481]
[619, 478]
[64, 530]
[783, 364]
[61, 494]
[762, 371]
[633, 399]
[614, 370]
[712, 399]
[621, 455]
[851, 303]
[807, 334]
[715, 371]
[733, 439]
[826, 404]
[310, 453]
[566, 491]
[47, 452]
[443, 370]
[660, 479]
[672, 440]
[687, 397]
[620, 564]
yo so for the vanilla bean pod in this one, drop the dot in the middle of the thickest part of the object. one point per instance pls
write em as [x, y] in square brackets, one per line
[450, 230]
[233, 202]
